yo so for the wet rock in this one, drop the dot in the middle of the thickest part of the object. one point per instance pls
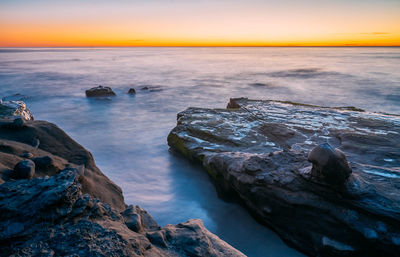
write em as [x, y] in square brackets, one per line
[52, 216]
[99, 91]
[329, 164]
[24, 170]
[10, 109]
[259, 154]
[132, 91]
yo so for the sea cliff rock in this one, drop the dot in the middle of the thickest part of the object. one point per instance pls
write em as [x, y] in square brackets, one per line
[258, 152]
[52, 216]
[99, 91]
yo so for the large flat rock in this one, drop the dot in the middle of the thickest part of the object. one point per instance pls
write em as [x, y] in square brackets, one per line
[257, 151]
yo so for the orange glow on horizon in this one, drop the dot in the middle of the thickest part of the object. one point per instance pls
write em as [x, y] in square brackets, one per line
[197, 24]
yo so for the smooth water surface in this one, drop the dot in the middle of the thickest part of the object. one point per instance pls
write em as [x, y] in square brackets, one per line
[127, 134]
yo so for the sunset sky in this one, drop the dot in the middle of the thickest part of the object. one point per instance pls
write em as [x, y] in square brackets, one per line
[199, 22]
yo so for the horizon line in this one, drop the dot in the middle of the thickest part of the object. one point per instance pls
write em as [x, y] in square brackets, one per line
[170, 46]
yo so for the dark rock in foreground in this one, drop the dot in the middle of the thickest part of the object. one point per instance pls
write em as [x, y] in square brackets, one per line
[52, 216]
[69, 208]
[259, 151]
[99, 91]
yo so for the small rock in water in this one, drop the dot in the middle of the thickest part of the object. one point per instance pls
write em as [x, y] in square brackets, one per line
[329, 164]
[232, 104]
[132, 91]
[99, 91]
[24, 170]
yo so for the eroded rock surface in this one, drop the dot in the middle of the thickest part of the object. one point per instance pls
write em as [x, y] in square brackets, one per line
[258, 151]
[51, 216]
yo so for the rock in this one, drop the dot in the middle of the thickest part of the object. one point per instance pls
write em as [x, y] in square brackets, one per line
[24, 170]
[132, 91]
[99, 91]
[43, 162]
[46, 139]
[329, 164]
[27, 155]
[138, 219]
[18, 123]
[11, 109]
[232, 104]
[259, 152]
[51, 216]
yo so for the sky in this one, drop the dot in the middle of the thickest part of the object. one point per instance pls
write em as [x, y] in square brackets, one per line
[46, 23]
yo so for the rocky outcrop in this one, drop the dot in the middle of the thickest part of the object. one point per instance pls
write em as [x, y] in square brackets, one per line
[259, 152]
[52, 216]
[99, 91]
[54, 201]
[52, 150]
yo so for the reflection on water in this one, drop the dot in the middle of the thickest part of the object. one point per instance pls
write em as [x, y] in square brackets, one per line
[127, 134]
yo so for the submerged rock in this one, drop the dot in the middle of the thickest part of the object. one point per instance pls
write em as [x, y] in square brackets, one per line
[52, 216]
[24, 170]
[99, 91]
[259, 153]
[14, 110]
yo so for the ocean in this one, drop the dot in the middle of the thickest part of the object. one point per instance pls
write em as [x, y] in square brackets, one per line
[127, 134]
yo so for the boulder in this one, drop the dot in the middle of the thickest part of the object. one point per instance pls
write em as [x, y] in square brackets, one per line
[99, 91]
[259, 154]
[132, 91]
[329, 164]
[24, 170]
[138, 219]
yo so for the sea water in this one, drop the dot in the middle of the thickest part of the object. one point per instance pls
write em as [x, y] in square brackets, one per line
[127, 134]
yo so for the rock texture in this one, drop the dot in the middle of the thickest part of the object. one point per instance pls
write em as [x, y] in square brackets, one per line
[51, 216]
[12, 109]
[99, 91]
[258, 151]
